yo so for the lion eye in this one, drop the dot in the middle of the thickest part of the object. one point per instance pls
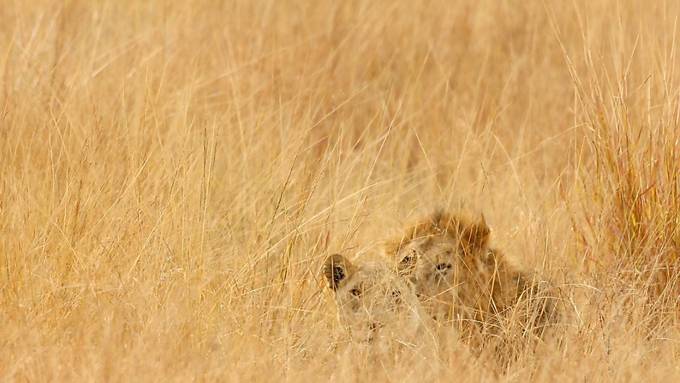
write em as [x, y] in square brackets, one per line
[409, 258]
[355, 292]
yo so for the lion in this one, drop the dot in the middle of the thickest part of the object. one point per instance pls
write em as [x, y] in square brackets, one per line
[373, 301]
[460, 280]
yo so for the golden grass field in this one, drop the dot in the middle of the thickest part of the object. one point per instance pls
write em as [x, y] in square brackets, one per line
[173, 174]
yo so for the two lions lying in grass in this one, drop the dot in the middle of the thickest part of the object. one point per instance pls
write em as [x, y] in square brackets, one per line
[441, 271]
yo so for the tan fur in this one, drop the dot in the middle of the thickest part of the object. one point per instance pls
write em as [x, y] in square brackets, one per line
[373, 301]
[460, 280]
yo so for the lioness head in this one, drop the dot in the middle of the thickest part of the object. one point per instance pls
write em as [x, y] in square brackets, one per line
[373, 301]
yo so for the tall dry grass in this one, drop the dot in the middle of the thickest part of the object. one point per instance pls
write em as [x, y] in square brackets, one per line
[173, 173]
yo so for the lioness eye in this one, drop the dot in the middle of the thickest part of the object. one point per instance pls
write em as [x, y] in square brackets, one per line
[396, 297]
[443, 266]
[356, 292]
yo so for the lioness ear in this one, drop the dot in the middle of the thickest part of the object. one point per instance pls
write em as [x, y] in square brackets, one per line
[336, 269]
[475, 236]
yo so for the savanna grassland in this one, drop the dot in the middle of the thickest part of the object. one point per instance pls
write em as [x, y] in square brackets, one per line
[173, 174]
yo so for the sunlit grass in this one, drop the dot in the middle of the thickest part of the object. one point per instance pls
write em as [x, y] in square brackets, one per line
[172, 175]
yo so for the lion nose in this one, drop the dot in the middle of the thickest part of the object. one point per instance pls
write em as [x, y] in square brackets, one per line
[443, 266]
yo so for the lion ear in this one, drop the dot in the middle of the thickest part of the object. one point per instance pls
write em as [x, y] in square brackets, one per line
[475, 236]
[336, 269]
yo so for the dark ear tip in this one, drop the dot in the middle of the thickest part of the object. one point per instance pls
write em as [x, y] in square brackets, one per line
[335, 270]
